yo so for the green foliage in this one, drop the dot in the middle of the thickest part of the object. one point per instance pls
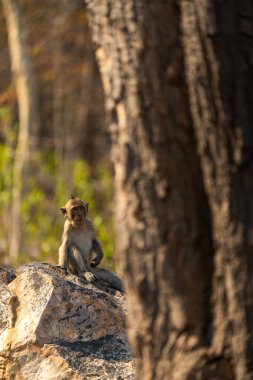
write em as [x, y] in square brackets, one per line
[44, 192]
[5, 174]
[97, 190]
[5, 194]
[5, 115]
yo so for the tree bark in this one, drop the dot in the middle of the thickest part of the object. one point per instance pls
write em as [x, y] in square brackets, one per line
[177, 78]
[28, 113]
[218, 46]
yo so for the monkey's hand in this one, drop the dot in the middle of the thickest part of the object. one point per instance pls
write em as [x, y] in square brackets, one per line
[96, 247]
[95, 262]
[89, 277]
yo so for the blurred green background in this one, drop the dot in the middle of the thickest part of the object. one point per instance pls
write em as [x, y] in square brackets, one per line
[70, 151]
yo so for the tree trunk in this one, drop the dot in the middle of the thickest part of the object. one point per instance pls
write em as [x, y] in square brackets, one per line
[59, 116]
[183, 158]
[218, 54]
[28, 113]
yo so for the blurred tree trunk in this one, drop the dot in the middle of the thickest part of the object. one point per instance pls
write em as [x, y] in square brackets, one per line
[28, 113]
[183, 179]
[59, 116]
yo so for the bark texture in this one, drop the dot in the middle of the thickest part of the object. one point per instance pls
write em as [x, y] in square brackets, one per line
[217, 40]
[177, 78]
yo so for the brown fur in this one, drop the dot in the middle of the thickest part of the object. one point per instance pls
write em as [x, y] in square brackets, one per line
[80, 252]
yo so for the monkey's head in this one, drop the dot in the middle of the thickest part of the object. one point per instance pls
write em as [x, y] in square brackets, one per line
[75, 210]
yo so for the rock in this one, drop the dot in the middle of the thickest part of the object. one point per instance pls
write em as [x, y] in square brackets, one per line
[57, 326]
[7, 275]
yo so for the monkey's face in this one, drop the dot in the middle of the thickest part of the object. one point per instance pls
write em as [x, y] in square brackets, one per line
[77, 215]
[75, 210]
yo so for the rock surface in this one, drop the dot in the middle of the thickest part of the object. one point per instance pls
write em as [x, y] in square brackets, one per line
[56, 326]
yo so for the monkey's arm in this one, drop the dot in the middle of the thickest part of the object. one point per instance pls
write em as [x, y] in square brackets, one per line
[64, 252]
[96, 247]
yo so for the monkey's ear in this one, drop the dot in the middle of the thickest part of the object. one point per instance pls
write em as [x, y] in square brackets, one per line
[72, 196]
[87, 206]
[63, 210]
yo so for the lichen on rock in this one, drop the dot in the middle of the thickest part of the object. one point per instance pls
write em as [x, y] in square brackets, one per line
[57, 326]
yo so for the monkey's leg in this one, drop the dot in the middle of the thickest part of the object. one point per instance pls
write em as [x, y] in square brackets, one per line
[72, 266]
[110, 277]
[96, 247]
[79, 265]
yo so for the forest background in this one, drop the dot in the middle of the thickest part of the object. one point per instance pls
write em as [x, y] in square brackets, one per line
[69, 150]
[177, 81]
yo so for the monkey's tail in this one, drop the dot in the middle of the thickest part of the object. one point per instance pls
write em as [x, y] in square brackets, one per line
[110, 277]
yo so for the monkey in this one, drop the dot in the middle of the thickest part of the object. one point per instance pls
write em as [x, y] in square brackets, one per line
[79, 230]
[80, 251]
